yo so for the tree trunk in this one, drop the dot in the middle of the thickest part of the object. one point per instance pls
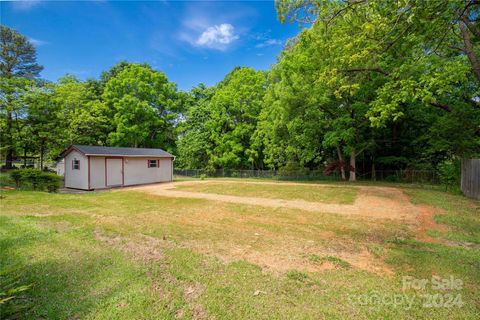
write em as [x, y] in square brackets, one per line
[41, 156]
[9, 155]
[374, 172]
[342, 166]
[469, 49]
[352, 165]
[25, 157]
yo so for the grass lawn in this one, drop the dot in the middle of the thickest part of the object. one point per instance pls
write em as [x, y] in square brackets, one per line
[307, 192]
[124, 255]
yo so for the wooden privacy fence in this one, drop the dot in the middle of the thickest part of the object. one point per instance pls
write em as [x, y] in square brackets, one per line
[470, 183]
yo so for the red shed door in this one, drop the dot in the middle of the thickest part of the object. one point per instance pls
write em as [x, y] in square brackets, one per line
[114, 172]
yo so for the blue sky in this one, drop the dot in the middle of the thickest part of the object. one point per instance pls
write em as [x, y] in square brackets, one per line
[191, 41]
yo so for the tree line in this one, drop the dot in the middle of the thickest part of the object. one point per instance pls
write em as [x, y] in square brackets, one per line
[366, 85]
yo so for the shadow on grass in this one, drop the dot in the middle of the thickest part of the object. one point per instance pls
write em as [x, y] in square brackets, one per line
[72, 277]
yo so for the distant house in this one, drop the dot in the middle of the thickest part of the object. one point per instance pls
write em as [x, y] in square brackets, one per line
[95, 167]
[60, 167]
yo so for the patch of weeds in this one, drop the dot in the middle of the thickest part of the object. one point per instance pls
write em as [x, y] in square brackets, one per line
[303, 281]
[299, 276]
[13, 301]
[334, 260]
[377, 250]
[398, 241]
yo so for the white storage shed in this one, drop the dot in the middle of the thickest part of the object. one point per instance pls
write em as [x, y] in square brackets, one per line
[96, 167]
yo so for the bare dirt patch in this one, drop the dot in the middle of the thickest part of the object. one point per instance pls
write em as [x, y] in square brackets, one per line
[288, 253]
[142, 248]
[191, 293]
[426, 222]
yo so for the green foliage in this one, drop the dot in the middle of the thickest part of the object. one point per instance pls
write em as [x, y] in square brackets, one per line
[83, 117]
[36, 180]
[449, 172]
[221, 121]
[16, 176]
[292, 169]
[193, 142]
[17, 55]
[12, 292]
[18, 65]
[144, 104]
[384, 62]
[235, 108]
[392, 162]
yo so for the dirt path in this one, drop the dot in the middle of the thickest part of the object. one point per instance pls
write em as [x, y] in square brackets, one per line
[375, 202]
[391, 205]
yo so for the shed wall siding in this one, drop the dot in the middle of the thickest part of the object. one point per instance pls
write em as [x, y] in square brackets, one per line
[77, 179]
[137, 171]
[97, 172]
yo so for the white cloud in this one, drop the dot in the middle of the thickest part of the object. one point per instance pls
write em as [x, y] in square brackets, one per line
[269, 42]
[217, 37]
[37, 42]
[25, 4]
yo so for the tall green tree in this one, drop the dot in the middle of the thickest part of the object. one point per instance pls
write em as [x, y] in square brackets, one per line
[388, 58]
[43, 119]
[424, 49]
[234, 111]
[84, 117]
[194, 143]
[17, 60]
[144, 108]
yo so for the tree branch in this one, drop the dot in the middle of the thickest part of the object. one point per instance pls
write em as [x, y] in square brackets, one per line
[441, 106]
[397, 38]
[472, 29]
[348, 5]
[469, 49]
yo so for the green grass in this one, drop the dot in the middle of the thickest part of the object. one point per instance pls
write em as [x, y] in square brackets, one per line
[307, 192]
[462, 214]
[53, 241]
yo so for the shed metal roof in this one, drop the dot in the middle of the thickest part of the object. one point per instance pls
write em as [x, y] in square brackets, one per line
[115, 151]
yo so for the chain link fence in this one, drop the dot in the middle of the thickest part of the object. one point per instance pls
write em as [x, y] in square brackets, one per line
[403, 176]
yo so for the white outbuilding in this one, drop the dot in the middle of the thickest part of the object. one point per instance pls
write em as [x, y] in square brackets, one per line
[96, 167]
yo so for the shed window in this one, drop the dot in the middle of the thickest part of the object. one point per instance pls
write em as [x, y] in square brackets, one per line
[153, 163]
[76, 164]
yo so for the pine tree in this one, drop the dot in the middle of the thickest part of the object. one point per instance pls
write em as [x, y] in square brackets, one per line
[18, 59]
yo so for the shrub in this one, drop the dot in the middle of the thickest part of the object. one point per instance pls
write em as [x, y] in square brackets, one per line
[36, 180]
[16, 176]
[51, 181]
[292, 169]
[392, 178]
[32, 177]
[449, 174]
[203, 176]
[209, 171]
